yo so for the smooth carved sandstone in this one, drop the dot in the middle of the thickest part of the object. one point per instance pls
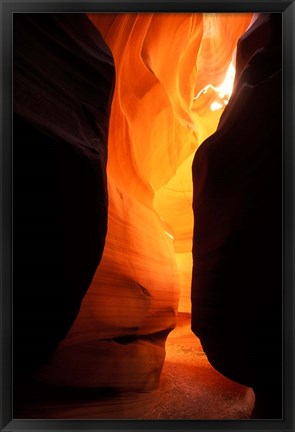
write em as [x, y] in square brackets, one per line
[159, 117]
[156, 124]
[155, 128]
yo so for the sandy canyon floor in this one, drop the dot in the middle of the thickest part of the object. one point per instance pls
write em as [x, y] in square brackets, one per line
[189, 389]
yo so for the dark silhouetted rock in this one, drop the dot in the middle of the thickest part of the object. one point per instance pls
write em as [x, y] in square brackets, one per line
[237, 274]
[63, 86]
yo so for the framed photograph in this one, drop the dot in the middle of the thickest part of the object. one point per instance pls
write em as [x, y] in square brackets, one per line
[147, 215]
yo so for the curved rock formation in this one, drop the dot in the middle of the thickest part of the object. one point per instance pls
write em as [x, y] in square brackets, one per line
[132, 302]
[162, 62]
[160, 115]
[237, 254]
[63, 84]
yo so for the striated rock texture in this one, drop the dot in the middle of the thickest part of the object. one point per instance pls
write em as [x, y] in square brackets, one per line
[237, 180]
[63, 85]
[118, 337]
[159, 116]
[162, 62]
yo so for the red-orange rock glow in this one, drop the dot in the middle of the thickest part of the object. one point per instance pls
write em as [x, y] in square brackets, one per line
[162, 62]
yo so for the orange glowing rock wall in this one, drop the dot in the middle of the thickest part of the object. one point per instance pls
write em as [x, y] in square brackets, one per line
[162, 61]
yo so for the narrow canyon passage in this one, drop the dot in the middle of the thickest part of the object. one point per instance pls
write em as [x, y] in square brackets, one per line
[119, 325]
[156, 125]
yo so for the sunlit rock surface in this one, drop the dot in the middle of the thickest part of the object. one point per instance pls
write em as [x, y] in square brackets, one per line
[158, 120]
[118, 338]
[237, 252]
[155, 128]
[162, 62]
[63, 84]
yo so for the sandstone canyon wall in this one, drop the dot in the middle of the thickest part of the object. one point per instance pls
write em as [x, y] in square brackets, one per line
[237, 244]
[162, 62]
[62, 90]
[160, 114]
[156, 125]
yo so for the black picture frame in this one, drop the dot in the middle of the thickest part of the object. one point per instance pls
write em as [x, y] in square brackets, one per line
[287, 9]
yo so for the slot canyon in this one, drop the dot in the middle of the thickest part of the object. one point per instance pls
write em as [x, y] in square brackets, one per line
[147, 216]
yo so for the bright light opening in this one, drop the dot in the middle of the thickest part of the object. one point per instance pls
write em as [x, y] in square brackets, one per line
[223, 92]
